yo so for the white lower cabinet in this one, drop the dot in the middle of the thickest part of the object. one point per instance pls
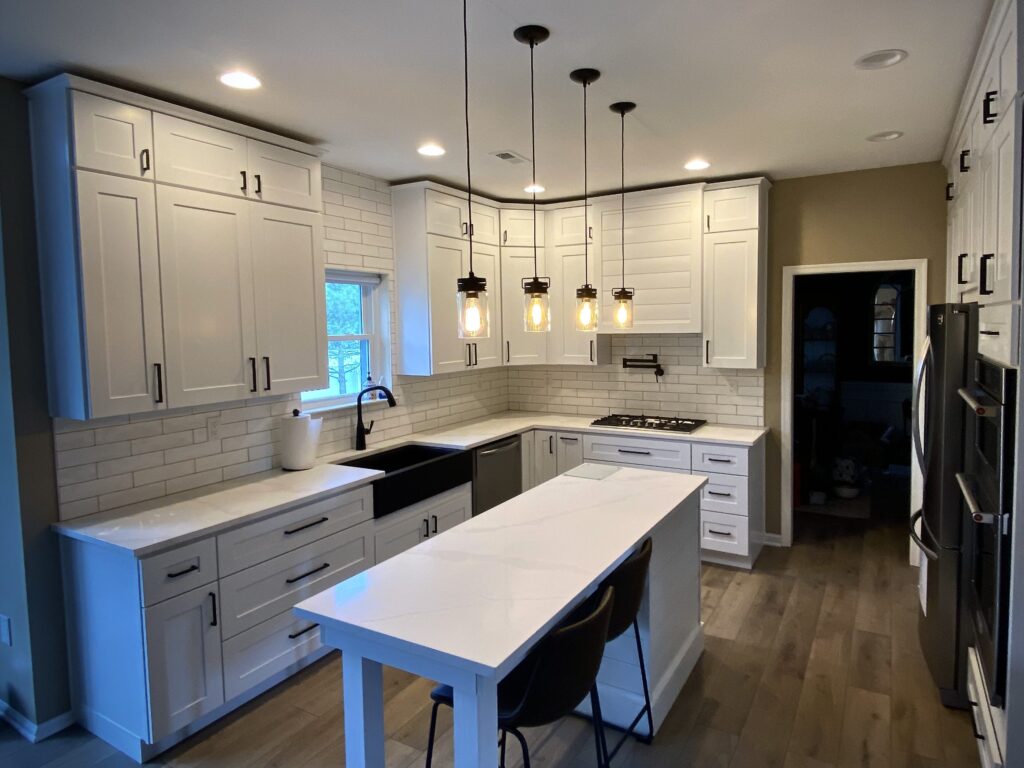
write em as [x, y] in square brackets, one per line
[268, 648]
[568, 451]
[554, 452]
[183, 660]
[404, 529]
[724, 533]
[527, 447]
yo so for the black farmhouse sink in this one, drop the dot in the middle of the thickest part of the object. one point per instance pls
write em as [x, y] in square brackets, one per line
[413, 473]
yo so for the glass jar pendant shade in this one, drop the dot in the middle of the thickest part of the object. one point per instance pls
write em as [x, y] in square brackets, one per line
[536, 301]
[471, 292]
[622, 297]
[587, 308]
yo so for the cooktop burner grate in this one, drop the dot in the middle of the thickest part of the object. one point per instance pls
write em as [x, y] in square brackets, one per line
[664, 423]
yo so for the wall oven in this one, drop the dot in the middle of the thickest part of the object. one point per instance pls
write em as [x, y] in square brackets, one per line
[986, 487]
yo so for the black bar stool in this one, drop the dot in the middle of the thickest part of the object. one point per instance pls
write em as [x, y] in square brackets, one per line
[548, 684]
[628, 582]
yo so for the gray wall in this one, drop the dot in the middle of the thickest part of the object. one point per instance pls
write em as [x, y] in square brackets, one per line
[33, 672]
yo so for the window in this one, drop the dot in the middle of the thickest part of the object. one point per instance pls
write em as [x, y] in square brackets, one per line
[886, 332]
[355, 343]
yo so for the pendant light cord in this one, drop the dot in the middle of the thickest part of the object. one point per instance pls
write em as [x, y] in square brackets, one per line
[533, 157]
[622, 198]
[469, 171]
[586, 223]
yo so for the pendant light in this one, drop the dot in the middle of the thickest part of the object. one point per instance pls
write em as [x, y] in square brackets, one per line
[586, 294]
[536, 302]
[471, 297]
[622, 312]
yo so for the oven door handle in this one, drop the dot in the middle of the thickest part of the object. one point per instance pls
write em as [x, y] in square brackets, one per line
[977, 515]
[917, 419]
[930, 553]
[981, 409]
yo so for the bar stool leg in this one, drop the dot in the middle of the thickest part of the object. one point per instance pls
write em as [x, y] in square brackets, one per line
[503, 736]
[523, 746]
[433, 728]
[647, 693]
[598, 719]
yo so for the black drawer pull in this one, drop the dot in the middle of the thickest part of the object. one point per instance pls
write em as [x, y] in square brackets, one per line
[307, 574]
[434, 518]
[720, 533]
[213, 603]
[255, 377]
[307, 525]
[301, 632]
[426, 528]
[719, 493]
[989, 333]
[718, 461]
[158, 370]
[569, 439]
[634, 453]
[177, 574]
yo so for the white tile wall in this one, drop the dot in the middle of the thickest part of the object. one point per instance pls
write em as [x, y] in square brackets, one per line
[687, 389]
[109, 463]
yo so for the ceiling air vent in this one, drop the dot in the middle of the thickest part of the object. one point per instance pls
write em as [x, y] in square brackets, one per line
[510, 157]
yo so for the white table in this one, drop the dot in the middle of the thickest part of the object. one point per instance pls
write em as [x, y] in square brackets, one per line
[465, 607]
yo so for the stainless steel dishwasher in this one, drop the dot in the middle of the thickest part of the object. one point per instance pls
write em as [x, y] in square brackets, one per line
[497, 473]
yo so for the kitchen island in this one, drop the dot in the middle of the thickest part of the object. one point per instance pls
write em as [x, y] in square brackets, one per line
[465, 608]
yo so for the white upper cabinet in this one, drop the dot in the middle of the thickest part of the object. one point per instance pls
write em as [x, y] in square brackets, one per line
[120, 277]
[732, 208]
[448, 215]
[521, 347]
[662, 255]
[111, 136]
[284, 176]
[489, 352]
[517, 227]
[192, 155]
[207, 282]
[288, 279]
[486, 224]
[566, 345]
[733, 304]
[997, 273]
[570, 226]
[439, 327]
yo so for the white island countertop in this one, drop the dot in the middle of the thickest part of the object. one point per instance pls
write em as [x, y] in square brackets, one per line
[480, 595]
[158, 525]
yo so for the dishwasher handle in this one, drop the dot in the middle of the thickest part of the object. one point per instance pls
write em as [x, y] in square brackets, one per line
[501, 448]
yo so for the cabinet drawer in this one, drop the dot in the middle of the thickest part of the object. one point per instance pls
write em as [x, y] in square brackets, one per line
[265, 590]
[640, 451]
[724, 533]
[997, 332]
[266, 539]
[263, 651]
[175, 572]
[719, 459]
[725, 493]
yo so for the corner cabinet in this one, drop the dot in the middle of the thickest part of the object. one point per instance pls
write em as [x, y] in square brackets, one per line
[157, 292]
[735, 274]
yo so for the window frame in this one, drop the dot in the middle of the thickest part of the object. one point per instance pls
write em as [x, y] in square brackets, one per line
[374, 303]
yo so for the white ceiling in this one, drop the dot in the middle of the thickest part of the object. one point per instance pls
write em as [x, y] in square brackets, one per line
[753, 86]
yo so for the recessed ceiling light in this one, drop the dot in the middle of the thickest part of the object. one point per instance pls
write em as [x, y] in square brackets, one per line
[881, 59]
[885, 136]
[239, 79]
[533, 189]
[697, 165]
[430, 149]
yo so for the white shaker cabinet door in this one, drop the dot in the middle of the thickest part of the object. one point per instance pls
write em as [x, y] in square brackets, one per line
[997, 268]
[568, 451]
[121, 290]
[517, 227]
[193, 155]
[111, 136]
[403, 534]
[566, 345]
[521, 347]
[284, 176]
[288, 275]
[731, 208]
[448, 352]
[447, 215]
[183, 660]
[489, 352]
[486, 224]
[207, 286]
[545, 455]
[731, 300]
[570, 226]
[451, 511]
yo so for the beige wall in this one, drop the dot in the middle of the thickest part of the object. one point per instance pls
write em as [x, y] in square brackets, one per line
[876, 215]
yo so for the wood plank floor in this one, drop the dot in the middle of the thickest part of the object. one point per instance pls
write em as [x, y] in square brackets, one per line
[811, 661]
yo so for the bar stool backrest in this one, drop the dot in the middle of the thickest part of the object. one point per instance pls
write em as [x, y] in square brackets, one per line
[628, 581]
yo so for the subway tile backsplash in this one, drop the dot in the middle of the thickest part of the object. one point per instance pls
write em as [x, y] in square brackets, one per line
[109, 463]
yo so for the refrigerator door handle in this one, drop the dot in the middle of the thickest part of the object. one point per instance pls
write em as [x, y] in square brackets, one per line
[920, 374]
[930, 553]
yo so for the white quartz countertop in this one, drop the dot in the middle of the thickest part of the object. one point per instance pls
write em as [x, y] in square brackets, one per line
[490, 587]
[155, 526]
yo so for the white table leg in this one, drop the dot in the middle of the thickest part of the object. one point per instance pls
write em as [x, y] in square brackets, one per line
[364, 711]
[476, 723]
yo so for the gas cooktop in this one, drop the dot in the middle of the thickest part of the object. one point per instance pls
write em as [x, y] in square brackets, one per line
[668, 424]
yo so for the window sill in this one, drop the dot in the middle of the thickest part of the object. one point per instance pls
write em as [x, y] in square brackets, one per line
[317, 409]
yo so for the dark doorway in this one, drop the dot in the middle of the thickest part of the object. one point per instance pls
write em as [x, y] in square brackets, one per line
[852, 360]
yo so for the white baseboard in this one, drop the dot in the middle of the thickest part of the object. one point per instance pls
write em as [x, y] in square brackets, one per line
[34, 731]
[772, 540]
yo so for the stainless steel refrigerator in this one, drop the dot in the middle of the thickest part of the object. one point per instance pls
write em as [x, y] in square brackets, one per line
[940, 527]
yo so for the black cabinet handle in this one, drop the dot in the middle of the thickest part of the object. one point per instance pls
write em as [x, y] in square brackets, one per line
[983, 288]
[709, 222]
[718, 461]
[266, 365]
[960, 280]
[307, 574]
[476, 355]
[252, 365]
[590, 233]
[158, 370]
[245, 182]
[949, 191]
[508, 351]
[179, 574]
[591, 350]
[568, 439]
[469, 355]
[504, 237]
[426, 528]
[720, 533]
[434, 519]
[465, 229]
[989, 333]
[213, 602]
[719, 493]
[144, 161]
[551, 443]
[989, 115]
[307, 525]
[634, 453]
[259, 183]
[707, 352]
[964, 168]
[301, 632]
